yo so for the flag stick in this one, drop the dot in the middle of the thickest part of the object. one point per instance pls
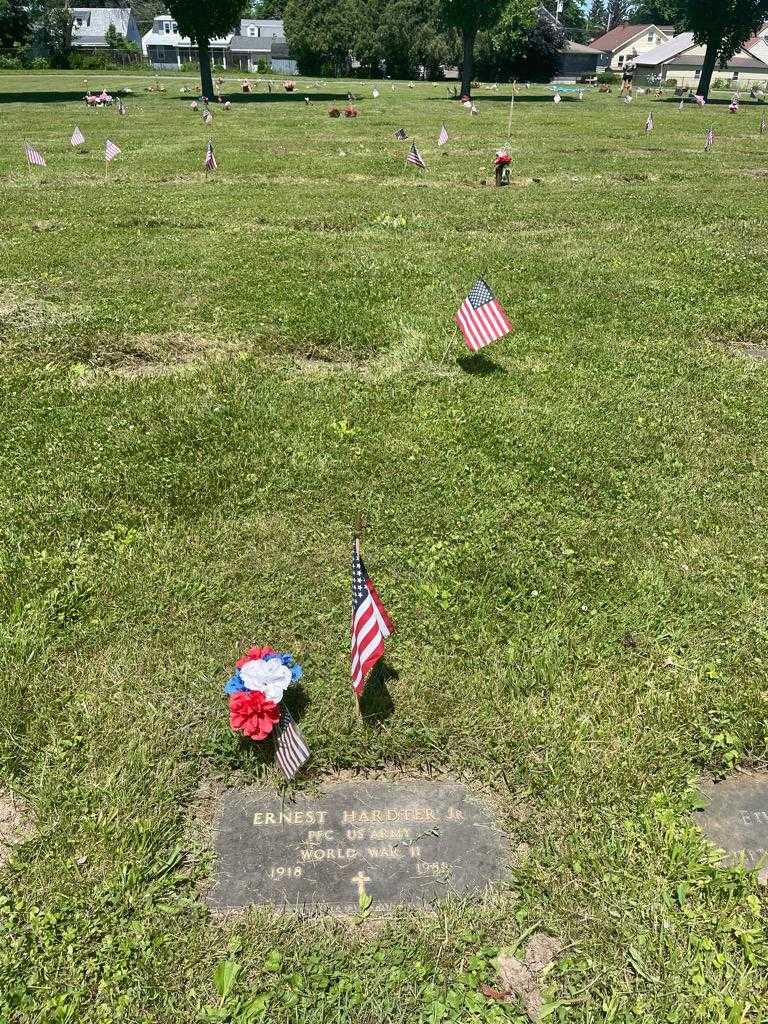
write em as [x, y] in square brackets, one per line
[511, 108]
[358, 529]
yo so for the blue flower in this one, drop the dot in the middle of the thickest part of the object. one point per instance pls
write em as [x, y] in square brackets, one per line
[235, 685]
[296, 673]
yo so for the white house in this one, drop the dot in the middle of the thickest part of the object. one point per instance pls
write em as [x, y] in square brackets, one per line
[91, 24]
[165, 47]
[256, 40]
[261, 40]
[681, 59]
[623, 44]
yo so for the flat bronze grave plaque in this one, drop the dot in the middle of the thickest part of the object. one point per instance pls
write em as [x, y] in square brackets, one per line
[401, 843]
[735, 819]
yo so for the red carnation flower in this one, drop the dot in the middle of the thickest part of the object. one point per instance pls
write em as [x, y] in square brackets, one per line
[254, 654]
[252, 714]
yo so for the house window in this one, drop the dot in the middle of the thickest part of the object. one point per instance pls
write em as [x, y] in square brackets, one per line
[621, 60]
[735, 75]
[175, 27]
[697, 73]
[252, 30]
[167, 27]
[651, 37]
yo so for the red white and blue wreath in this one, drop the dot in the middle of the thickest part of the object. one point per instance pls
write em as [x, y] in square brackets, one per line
[255, 694]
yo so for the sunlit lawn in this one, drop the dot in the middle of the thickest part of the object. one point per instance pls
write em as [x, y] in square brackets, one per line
[203, 382]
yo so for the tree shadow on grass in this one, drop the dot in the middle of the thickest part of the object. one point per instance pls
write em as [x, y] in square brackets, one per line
[43, 97]
[376, 704]
[479, 365]
[495, 97]
[274, 97]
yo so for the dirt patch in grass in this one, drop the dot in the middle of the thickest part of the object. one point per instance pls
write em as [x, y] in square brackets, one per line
[15, 824]
[520, 980]
[157, 355]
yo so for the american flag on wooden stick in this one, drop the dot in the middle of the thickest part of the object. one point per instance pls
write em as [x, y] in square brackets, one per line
[710, 140]
[111, 151]
[371, 624]
[763, 127]
[33, 157]
[414, 157]
[649, 123]
[481, 318]
[401, 135]
[443, 136]
[291, 750]
[78, 139]
[210, 159]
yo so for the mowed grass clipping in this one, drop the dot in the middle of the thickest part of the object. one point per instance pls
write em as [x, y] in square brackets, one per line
[204, 381]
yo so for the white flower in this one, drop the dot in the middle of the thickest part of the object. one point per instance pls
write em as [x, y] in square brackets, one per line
[270, 677]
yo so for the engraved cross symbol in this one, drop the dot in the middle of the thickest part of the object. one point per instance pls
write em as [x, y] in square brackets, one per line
[360, 879]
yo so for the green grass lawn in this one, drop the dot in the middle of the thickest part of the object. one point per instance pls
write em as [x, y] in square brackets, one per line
[203, 381]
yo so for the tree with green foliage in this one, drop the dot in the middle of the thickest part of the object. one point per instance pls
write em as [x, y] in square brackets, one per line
[52, 30]
[15, 24]
[723, 26]
[499, 49]
[409, 36]
[203, 20]
[597, 18]
[268, 9]
[573, 21]
[654, 12]
[321, 34]
[469, 17]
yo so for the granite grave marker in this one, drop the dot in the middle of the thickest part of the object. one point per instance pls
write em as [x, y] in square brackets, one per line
[735, 819]
[401, 843]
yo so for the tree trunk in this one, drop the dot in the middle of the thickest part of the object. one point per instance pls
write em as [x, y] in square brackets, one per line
[708, 68]
[468, 64]
[206, 77]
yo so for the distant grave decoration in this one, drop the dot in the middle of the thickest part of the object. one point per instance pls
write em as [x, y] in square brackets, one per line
[334, 112]
[351, 111]
[103, 99]
[245, 85]
[289, 86]
[501, 165]
[255, 694]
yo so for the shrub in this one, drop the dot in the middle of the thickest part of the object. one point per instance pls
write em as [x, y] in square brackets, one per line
[189, 65]
[88, 61]
[262, 67]
[721, 83]
[607, 78]
[10, 63]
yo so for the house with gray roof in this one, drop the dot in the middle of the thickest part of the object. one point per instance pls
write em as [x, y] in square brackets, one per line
[681, 60]
[91, 24]
[255, 41]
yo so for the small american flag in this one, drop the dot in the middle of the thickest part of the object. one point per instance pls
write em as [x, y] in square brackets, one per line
[111, 151]
[33, 157]
[120, 106]
[371, 625]
[763, 127]
[443, 136]
[207, 116]
[710, 140]
[649, 123]
[682, 104]
[481, 318]
[210, 159]
[414, 157]
[78, 139]
[291, 750]
[401, 135]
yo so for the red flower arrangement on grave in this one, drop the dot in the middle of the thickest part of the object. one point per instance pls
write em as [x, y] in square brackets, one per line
[256, 690]
[502, 159]
[289, 86]
[334, 112]
[350, 111]
[252, 714]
